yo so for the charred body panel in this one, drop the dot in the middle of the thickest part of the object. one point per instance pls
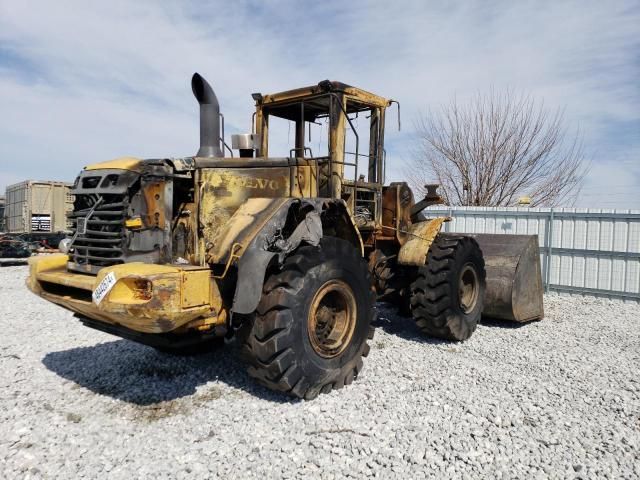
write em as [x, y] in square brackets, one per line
[121, 216]
[278, 228]
[397, 201]
[222, 191]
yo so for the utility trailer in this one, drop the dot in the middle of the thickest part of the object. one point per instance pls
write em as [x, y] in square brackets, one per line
[2, 203]
[34, 216]
[38, 207]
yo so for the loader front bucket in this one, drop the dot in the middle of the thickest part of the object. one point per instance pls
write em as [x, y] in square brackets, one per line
[514, 282]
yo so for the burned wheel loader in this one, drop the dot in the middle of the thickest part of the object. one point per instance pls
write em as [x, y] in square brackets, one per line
[284, 255]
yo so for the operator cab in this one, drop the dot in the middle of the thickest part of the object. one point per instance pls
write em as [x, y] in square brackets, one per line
[347, 148]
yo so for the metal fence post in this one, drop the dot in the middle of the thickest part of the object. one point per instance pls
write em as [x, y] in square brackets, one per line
[547, 273]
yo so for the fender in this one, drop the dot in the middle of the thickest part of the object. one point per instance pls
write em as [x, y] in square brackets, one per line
[421, 236]
[289, 223]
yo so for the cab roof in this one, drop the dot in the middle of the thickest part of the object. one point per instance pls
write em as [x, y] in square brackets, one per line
[287, 104]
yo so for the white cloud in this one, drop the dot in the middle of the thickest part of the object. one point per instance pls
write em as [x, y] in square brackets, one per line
[91, 81]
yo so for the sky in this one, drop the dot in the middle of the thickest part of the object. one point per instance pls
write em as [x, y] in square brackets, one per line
[82, 82]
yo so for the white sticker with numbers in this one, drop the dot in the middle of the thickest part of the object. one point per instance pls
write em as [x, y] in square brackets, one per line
[104, 287]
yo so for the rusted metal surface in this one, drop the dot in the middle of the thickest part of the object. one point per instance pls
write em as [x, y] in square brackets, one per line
[104, 200]
[292, 222]
[514, 283]
[336, 101]
[397, 201]
[241, 227]
[332, 318]
[221, 192]
[420, 237]
[431, 198]
[184, 232]
[153, 192]
[337, 131]
[307, 93]
[145, 298]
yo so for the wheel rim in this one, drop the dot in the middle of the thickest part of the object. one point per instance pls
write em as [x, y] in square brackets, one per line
[468, 288]
[332, 318]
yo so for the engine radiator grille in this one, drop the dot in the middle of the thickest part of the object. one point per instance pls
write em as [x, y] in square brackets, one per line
[100, 238]
[98, 219]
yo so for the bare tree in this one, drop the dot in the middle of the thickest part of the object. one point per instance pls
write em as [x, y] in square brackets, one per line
[496, 149]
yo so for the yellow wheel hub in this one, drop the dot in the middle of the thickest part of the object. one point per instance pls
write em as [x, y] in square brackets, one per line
[332, 318]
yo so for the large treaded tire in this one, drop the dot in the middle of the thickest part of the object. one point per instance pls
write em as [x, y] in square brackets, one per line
[436, 302]
[277, 345]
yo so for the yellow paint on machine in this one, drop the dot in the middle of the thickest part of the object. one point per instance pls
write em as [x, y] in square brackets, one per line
[223, 191]
[243, 226]
[196, 290]
[122, 163]
[146, 297]
[133, 222]
[420, 237]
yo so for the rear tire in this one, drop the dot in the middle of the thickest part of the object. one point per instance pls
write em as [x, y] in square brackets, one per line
[310, 330]
[447, 295]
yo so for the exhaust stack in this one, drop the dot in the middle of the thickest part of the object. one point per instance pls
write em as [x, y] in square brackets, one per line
[210, 138]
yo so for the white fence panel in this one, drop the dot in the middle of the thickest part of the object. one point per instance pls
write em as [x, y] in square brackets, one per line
[581, 250]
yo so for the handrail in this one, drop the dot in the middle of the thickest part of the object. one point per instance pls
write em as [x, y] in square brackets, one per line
[355, 180]
[368, 155]
[304, 149]
[221, 139]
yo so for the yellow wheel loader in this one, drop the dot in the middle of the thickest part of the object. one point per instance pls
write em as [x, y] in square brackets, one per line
[284, 255]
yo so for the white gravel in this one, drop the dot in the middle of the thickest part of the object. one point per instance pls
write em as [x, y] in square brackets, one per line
[553, 399]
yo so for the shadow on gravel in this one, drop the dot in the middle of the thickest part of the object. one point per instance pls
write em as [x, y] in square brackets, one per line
[140, 375]
[393, 323]
[497, 323]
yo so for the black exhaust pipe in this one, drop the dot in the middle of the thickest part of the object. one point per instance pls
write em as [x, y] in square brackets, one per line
[210, 140]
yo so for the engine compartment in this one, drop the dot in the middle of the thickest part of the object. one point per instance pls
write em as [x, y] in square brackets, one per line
[127, 215]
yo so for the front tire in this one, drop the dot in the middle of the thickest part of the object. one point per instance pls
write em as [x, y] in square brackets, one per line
[447, 294]
[310, 330]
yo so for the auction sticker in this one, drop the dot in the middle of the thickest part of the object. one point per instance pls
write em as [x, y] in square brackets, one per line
[104, 287]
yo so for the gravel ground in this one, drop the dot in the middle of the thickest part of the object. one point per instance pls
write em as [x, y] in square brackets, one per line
[554, 399]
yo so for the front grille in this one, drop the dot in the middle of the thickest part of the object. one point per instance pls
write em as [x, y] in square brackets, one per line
[102, 242]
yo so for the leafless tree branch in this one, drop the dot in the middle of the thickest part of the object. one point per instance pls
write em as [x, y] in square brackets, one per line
[497, 148]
